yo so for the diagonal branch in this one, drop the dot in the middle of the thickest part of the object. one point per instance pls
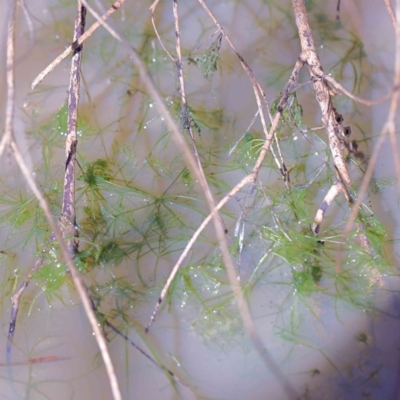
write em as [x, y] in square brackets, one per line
[332, 121]
[185, 117]
[68, 214]
[333, 128]
[78, 42]
[8, 141]
[389, 128]
[10, 107]
[191, 162]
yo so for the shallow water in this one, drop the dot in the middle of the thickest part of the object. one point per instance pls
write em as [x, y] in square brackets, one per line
[324, 345]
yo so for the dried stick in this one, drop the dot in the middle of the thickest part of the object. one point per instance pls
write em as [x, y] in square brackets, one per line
[253, 175]
[191, 162]
[78, 282]
[10, 107]
[389, 127]
[172, 376]
[249, 179]
[171, 124]
[258, 91]
[391, 14]
[335, 189]
[185, 117]
[152, 8]
[334, 130]
[15, 300]
[350, 95]
[77, 43]
[68, 214]
[332, 121]
[8, 140]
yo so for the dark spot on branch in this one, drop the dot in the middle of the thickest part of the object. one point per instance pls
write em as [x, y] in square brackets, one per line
[68, 160]
[324, 207]
[339, 118]
[347, 131]
[76, 47]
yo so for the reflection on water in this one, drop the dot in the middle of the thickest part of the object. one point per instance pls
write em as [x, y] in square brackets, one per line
[331, 336]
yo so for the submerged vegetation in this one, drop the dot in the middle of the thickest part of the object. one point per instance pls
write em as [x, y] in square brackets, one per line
[138, 204]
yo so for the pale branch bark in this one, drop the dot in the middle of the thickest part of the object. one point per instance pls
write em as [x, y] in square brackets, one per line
[258, 91]
[340, 88]
[8, 141]
[335, 189]
[332, 121]
[115, 6]
[391, 13]
[171, 124]
[185, 116]
[152, 9]
[249, 179]
[389, 128]
[322, 90]
[68, 213]
[10, 56]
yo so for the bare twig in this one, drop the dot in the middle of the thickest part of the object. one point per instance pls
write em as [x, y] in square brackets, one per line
[171, 124]
[115, 6]
[15, 301]
[191, 162]
[68, 214]
[172, 376]
[185, 117]
[357, 99]
[337, 134]
[333, 128]
[391, 14]
[258, 91]
[335, 189]
[153, 9]
[29, 22]
[388, 128]
[249, 179]
[10, 107]
[8, 140]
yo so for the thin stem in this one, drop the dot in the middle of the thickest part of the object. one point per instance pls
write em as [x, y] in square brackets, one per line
[45, 207]
[389, 127]
[115, 6]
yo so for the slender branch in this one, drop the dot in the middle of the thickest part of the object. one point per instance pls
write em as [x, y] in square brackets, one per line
[391, 13]
[249, 179]
[258, 91]
[176, 134]
[68, 214]
[357, 99]
[15, 301]
[185, 117]
[152, 8]
[81, 289]
[335, 189]
[333, 128]
[389, 127]
[115, 6]
[10, 107]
